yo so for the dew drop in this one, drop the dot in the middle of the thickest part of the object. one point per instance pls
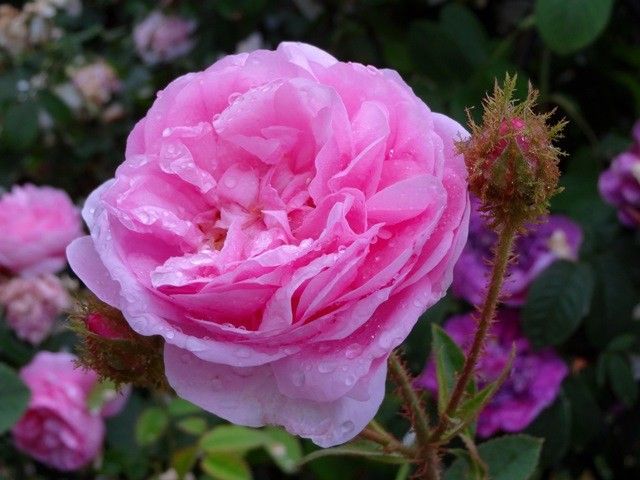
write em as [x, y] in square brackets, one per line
[230, 182]
[166, 132]
[170, 334]
[234, 97]
[347, 427]
[243, 352]
[298, 379]
[354, 350]
[325, 367]
[350, 380]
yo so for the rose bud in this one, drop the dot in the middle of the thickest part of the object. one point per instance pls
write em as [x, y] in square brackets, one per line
[511, 159]
[110, 347]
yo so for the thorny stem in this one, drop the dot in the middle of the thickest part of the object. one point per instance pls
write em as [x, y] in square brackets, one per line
[387, 441]
[428, 457]
[487, 311]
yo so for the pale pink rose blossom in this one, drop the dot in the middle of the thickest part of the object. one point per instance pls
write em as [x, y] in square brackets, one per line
[161, 38]
[36, 225]
[58, 428]
[96, 82]
[32, 304]
[281, 219]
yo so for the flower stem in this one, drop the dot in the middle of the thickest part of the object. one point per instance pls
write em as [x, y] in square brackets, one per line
[387, 441]
[501, 259]
[428, 456]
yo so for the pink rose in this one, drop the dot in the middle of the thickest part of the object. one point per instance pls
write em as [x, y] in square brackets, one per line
[58, 429]
[37, 224]
[281, 219]
[161, 38]
[32, 305]
[97, 82]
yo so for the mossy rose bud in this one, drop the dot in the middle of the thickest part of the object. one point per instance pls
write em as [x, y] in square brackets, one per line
[510, 156]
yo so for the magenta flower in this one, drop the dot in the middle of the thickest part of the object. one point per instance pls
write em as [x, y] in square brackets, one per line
[32, 304]
[161, 38]
[532, 386]
[36, 225]
[281, 219]
[557, 237]
[58, 429]
[620, 184]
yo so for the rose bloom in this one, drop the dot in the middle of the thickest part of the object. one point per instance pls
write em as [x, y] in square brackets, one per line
[161, 38]
[532, 385]
[556, 237]
[620, 184]
[96, 82]
[32, 305]
[58, 429]
[281, 219]
[37, 224]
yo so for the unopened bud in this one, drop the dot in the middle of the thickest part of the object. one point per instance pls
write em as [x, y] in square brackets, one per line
[110, 347]
[510, 157]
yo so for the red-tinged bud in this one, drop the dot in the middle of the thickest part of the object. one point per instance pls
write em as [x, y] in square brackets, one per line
[111, 348]
[511, 159]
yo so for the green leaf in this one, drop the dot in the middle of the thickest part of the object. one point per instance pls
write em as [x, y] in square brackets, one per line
[284, 449]
[511, 457]
[554, 425]
[621, 379]
[183, 460]
[14, 398]
[20, 126]
[466, 31]
[151, 425]
[232, 438]
[449, 360]
[556, 303]
[583, 405]
[569, 25]
[471, 407]
[223, 466]
[179, 407]
[193, 425]
[101, 393]
[355, 449]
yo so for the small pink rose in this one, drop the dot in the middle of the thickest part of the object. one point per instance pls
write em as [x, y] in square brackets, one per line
[36, 225]
[161, 38]
[58, 429]
[32, 305]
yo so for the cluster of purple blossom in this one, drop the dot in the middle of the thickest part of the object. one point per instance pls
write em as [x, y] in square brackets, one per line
[536, 375]
[620, 184]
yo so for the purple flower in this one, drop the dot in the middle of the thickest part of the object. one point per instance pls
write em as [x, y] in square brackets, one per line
[533, 383]
[620, 184]
[556, 238]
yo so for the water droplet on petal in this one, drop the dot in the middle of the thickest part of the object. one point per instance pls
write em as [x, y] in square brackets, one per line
[350, 380]
[166, 132]
[324, 367]
[353, 350]
[347, 427]
[298, 379]
[230, 182]
[234, 97]
[243, 352]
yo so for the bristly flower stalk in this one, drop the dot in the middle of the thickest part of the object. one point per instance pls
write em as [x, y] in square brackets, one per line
[513, 170]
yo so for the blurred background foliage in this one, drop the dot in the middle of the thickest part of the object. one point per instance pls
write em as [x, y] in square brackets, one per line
[583, 55]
